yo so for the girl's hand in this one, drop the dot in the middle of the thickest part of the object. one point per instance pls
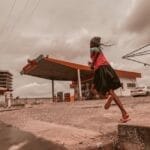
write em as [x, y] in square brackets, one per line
[91, 65]
[92, 68]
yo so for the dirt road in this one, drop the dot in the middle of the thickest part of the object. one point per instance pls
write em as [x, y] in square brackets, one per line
[77, 125]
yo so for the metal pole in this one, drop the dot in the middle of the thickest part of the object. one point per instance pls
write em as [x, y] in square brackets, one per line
[79, 85]
[53, 90]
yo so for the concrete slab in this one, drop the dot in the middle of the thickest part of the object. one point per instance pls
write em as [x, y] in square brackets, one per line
[134, 137]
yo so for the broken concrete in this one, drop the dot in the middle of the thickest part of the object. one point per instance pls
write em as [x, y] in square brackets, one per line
[133, 137]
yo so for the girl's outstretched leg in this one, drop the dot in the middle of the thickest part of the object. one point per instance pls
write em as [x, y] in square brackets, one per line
[125, 115]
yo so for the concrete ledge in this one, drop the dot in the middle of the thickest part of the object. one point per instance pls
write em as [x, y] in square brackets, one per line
[133, 137]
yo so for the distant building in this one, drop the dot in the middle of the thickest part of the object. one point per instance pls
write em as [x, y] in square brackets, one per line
[6, 80]
[6, 87]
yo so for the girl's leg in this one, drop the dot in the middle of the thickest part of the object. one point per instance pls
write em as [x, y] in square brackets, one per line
[108, 96]
[118, 102]
[108, 100]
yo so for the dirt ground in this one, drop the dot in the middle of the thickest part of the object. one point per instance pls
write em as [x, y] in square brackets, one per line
[77, 125]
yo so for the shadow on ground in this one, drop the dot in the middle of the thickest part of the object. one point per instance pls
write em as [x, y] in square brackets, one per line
[12, 138]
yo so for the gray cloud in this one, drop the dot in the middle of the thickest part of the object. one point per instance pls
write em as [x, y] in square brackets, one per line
[138, 19]
[137, 23]
[62, 29]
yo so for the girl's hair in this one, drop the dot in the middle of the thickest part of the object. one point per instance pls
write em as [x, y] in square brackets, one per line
[95, 41]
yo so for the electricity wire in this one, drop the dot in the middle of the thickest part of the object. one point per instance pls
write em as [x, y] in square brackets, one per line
[8, 17]
[138, 52]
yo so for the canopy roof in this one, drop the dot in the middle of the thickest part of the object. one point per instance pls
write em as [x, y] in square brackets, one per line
[50, 68]
[54, 69]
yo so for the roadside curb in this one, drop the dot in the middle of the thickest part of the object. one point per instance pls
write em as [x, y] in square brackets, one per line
[3, 110]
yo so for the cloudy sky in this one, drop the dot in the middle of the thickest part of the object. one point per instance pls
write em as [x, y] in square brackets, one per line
[62, 29]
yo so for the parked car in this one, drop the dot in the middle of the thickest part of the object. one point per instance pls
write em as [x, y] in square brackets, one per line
[141, 91]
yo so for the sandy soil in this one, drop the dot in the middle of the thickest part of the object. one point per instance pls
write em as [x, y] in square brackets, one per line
[77, 125]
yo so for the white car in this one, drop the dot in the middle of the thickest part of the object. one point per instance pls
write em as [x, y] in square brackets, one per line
[141, 91]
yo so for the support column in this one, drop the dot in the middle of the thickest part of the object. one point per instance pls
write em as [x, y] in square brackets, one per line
[79, 85]
[53, 90]
[8, 99]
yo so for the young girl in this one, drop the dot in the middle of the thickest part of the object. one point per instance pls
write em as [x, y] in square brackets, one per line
[105, 78]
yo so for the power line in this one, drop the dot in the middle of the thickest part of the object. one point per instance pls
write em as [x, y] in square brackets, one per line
[22, 13]
[138, 52]
[9, 15]
[35, 7]
[17, 20]
[20, 16]
[145, 64]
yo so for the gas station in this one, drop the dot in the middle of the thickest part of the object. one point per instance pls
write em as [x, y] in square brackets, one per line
[60, 70]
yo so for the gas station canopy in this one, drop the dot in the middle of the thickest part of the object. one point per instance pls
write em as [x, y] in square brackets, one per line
[54, 69]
